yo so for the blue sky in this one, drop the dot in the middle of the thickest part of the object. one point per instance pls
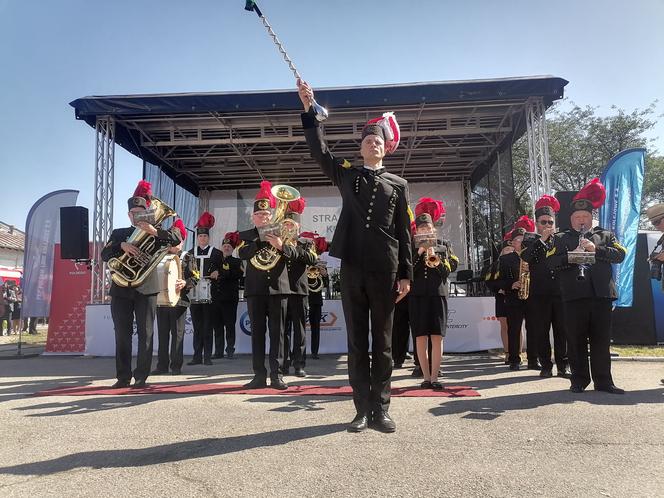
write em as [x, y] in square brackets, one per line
[52, 52]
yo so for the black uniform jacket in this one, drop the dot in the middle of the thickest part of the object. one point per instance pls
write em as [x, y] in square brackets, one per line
[268, 282]
[227, 286]
[543, 280]
[211, 263]
[189, 275]
[112, 249]
[316, 298]
[297, 267]
[433, 281]
[373, 230]
[507, 274]
[599, 277]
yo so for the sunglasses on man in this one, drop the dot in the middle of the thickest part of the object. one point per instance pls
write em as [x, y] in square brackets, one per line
[546, 222]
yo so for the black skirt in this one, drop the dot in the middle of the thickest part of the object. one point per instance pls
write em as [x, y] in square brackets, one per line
[428, 315]
[500, 306]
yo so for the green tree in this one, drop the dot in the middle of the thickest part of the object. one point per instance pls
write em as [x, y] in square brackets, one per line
[580, 145]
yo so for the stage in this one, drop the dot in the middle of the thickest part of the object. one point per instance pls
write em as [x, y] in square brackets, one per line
[471, 327]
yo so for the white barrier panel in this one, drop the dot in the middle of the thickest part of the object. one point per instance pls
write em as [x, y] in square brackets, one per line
[471, 327]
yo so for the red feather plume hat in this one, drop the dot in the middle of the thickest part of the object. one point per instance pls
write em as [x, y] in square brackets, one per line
[295, 209]
[180, 226]
[232, 239]
[204, 223]
[264, 200]
[590, 197]
[385, 127]
[546, 205]
[142, 195]
[522, 225]
[428, 210]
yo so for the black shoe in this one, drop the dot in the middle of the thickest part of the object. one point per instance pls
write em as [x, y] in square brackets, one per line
[158, 371]
[425, 384]
[208, 362]
[299, 372]
[546, 372]
[381, 421]
[515, 366]
[436, 386]
[409, 356]
[285, 370]
[398, 365]
[217, 356]
[315, 357]
[359, 423]
[230, 356]
[139, 384]
[277, 383]
[256, 383]
[120, 384]
[195, 362]
[610, 389]
[564, 373]
[176, 371]
[576, 389]
[417, 372]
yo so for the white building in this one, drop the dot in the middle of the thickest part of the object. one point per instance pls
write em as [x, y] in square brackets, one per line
[12, 244]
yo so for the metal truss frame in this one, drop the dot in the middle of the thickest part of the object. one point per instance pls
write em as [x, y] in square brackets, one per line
[468, 225]
[103, 206]
[538, 149]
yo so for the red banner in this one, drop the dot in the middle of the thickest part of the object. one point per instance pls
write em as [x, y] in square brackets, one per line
[69, 296]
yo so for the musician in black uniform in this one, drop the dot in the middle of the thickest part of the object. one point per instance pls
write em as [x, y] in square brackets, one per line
[297, 274]
[225, 297]
[139, 302]
[315, 299]
[208, 262]
[509, 267]
[544, 309]
[266, 288]
[428, 295]
[171, 319]
[656, 216]
[372, 239]
[499, 294]
[587, 291]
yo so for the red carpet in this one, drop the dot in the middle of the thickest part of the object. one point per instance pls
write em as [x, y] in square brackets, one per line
[296, 390]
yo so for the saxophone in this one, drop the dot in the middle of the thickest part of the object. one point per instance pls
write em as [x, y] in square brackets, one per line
[267, 257]
[524, 278]
[131, 271]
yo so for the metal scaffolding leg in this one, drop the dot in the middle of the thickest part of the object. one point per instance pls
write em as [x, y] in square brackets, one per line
[103, 207]
[538, 149]
[470, 235]
[203, 201]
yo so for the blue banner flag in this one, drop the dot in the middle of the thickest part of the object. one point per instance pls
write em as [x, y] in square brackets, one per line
[42, 232]
[623, 179]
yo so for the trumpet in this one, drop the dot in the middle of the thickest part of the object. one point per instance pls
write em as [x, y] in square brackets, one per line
[432, 259]
[428, 241]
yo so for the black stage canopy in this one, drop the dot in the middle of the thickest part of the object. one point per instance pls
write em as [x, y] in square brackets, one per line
[217, 141]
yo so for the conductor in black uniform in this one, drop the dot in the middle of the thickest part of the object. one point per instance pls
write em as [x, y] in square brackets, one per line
[372, 239]
[226, 296]
[138, 302]
[544, 309]
[587, 291]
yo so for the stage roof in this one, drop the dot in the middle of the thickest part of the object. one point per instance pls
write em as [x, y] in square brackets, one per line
[450, 130]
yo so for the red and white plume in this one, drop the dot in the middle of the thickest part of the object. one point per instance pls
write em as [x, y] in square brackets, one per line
[388, 122]
[594, 192]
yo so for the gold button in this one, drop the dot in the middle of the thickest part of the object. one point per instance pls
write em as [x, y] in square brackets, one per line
[370, 210]
[367, 225]
[373, 196]
[371, 203]
[368, 218]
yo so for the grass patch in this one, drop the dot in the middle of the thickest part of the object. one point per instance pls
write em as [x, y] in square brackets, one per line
[638, 350]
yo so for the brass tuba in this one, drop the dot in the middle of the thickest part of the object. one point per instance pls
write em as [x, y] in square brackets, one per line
[314, 278]
[131, 271]
[268, 257]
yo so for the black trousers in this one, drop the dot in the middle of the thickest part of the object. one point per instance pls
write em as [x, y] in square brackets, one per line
[267, 313]
[368, 303]
[400, 332]
[315, 315]
[123, 312]
[296, 350]
[170, 328]
[532, 338]
[542, 313]
[202, 320]
[589, 321]
[515, 315]
[224, 318]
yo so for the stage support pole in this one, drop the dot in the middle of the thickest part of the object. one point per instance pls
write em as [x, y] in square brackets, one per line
[538, 149]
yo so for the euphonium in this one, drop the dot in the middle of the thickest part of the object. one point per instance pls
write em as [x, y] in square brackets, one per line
[524, 278]
[131, 271]
[268, 257]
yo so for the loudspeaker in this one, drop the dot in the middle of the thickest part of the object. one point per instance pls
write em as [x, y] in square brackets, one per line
[74, 243]
[562, 217]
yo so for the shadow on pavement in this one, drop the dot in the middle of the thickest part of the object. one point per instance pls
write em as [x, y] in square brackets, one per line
[173, 452]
